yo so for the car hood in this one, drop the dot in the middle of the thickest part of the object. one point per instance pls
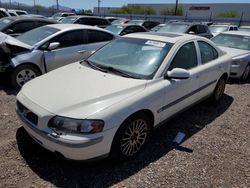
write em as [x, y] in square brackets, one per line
[6, 41]
[233, 52]
[78, 91]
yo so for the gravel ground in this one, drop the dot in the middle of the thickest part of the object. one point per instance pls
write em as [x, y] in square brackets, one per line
[215, 152]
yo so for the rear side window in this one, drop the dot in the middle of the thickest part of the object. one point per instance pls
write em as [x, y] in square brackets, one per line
[185, 58]
[98, 36]
[231, 29]
[208, 53]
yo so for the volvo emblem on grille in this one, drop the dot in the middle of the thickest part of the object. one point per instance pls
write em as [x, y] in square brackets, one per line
[25, 112]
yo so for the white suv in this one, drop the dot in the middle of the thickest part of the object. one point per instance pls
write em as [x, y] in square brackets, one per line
[108, 104]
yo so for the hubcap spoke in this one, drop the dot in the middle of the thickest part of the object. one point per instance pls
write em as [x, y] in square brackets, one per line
[25, 76]
[134, 137]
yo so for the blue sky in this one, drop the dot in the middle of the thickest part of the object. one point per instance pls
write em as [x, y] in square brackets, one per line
[89, 4]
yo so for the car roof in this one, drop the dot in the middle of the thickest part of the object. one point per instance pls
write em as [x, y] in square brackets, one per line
[16, 18]
[228, 25]
[85, 16]
[164, 37]
[245, 33]
[74, 26]
[245, 26]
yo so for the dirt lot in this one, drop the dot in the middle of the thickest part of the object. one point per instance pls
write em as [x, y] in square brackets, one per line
[215, 152]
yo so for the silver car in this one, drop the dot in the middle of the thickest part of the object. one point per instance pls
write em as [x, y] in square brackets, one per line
[47, 48]
[236, 44]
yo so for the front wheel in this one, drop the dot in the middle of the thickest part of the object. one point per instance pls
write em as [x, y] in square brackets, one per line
[131, 137]
[22, 74]
[219, 89]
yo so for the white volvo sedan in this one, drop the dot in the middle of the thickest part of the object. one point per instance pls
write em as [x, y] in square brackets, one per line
[108, 104]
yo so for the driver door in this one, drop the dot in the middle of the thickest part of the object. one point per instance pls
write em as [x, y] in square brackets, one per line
[70, 50]
[181, 93]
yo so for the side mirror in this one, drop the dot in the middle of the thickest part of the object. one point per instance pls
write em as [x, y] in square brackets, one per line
[191, 32]
[9, 31]
[178, 73]
[53, 45]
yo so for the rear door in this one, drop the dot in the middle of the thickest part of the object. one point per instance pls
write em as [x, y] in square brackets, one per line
[69, 51]
[210, 68]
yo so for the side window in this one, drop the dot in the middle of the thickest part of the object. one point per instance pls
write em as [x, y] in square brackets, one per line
[236, 28]
[22, 27]
[98, 36]
[231, 29]
[139, 29]
[192, 30]
[71, 38]
[201, 29]
[129, 29]
[185, 58]
[41, 23]
[208, 53]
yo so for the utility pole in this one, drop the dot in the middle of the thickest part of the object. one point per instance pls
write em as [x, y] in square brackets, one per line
[176, 7]
[34, 3]
[57, 5]
[99, 2]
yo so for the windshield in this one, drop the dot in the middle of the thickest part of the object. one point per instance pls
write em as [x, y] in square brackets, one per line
[217, 29]
[233, 41]
[36, 35]
[117, 22]
[115, 28]
[135, 22]
[140, 58]
[4, 22]
[68, 20]
[180, 28]
[57, 15]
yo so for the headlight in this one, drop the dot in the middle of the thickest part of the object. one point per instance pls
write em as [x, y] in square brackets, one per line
[63, 125]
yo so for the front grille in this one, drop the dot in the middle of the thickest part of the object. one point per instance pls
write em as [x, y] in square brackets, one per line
[27, 114]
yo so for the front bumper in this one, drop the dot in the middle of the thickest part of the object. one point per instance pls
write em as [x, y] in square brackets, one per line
[86, 147]
[236, 71]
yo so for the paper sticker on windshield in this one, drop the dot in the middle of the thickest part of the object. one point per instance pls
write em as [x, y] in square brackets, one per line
[155, 43]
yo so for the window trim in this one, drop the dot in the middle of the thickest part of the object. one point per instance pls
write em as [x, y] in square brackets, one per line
[199, 52]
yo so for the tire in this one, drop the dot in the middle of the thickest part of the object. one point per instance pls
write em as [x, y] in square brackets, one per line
[246, 73]
[131, 137]
[22, 74]
[219, 89]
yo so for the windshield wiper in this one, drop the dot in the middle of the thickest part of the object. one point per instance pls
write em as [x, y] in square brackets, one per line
[122, 73]
[95, 66]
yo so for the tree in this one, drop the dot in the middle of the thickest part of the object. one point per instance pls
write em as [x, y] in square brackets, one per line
[228, 14]
[135, 9]
[171, 11]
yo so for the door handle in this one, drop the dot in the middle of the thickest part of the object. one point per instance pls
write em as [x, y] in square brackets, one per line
[82, 51]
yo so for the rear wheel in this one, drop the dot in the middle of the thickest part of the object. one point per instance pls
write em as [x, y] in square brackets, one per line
[22, 74]
[131, 137]
[219, 89]
[246, 73]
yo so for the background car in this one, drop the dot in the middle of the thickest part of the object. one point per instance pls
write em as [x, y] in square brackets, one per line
[87, 20]
[222, 27]
[237, 45]
[17, 25]
[4, 13]
[109, 104]
[125, 29]
[60, 15]
[13, 12]
[46, 48]
[156, 28]
[145, 23]
[120, 21]
[244, 28]
[194, 28]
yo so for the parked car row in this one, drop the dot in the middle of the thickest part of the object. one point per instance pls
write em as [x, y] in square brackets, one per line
[107, 92]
